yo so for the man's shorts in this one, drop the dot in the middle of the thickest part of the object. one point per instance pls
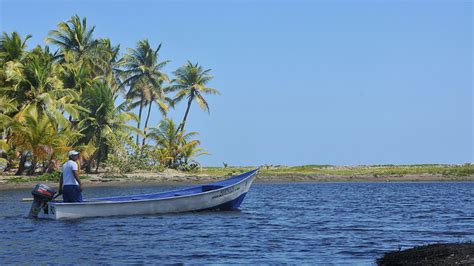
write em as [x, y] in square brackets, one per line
[72, 193]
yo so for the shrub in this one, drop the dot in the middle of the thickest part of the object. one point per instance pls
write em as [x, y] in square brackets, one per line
[54, 177]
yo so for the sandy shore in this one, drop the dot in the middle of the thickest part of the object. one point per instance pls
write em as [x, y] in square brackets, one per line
[171, 177]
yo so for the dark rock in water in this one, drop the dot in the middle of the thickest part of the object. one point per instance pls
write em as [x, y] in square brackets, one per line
[434, 254]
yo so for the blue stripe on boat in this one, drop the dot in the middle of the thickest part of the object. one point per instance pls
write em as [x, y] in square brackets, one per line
[230, 205]
[182, 192]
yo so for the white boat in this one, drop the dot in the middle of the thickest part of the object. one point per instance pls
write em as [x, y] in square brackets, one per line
[223, 195]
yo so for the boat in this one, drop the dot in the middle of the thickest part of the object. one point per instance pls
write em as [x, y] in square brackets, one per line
[227, 194]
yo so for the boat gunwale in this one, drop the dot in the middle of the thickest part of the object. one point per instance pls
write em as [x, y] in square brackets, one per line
[83, 203]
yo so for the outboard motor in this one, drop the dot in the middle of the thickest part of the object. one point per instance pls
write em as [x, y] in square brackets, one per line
[42, 194]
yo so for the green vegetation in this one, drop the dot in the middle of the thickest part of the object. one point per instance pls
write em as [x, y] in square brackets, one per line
[191, 83]
[349, 171]
[48, 177]
[54, 101]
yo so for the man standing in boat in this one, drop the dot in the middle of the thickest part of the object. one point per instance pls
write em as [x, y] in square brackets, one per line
[69, 183]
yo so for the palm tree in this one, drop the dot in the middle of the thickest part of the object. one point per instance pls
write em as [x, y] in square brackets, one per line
[7, 108]
[74, 39]
[77, 45]
[190, 82]
[4, 148]
[12, 47]
[155, 95]
[36, 84]
[12, 52]
[142, 73]
[168, 141]
[105, 125]
[76, 76]
[106, 61]
[42, 137]
[173, 145]
[191, 151]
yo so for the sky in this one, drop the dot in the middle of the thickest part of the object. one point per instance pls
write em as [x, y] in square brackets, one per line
[302, 82]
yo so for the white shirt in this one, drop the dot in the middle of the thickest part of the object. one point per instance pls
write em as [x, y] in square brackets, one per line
[68, 175]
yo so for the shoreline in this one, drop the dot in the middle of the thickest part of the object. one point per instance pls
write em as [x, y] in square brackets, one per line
[181, 179]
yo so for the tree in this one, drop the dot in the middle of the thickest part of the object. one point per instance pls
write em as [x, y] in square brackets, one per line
[105, 124]
[44, 138]
[35, 83]
[152, 95]
[191, 151]
[7, 107]
[74, 39]
[12, 52]
[12, 47]
[77, 46]
[190, 82]
[76, 76]
[174, 147]
[142, 73]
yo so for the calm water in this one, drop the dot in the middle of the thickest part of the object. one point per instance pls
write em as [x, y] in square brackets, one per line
[295, 223]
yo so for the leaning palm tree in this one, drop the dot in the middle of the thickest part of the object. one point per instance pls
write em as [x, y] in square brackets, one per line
[190, 82]
[142, 73]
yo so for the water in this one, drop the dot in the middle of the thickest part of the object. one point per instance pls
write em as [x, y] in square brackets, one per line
[340, 223]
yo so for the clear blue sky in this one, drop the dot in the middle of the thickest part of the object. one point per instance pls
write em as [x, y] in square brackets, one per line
[303, 82]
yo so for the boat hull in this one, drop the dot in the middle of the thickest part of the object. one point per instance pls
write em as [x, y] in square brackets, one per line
[224, 198]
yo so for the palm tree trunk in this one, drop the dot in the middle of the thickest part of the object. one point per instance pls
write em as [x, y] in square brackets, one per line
[146, 124]
[99, 149]
[73, 125]
[98, 163]
[49, 165]
[45, 167]
[139, 117]
[21, 166]
[32, 169]
[181, 127]
[9, 166]
[88, 166]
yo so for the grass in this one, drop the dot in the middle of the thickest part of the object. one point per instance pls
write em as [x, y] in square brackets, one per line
[49, 177]
[220, 171]
[330, 170]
